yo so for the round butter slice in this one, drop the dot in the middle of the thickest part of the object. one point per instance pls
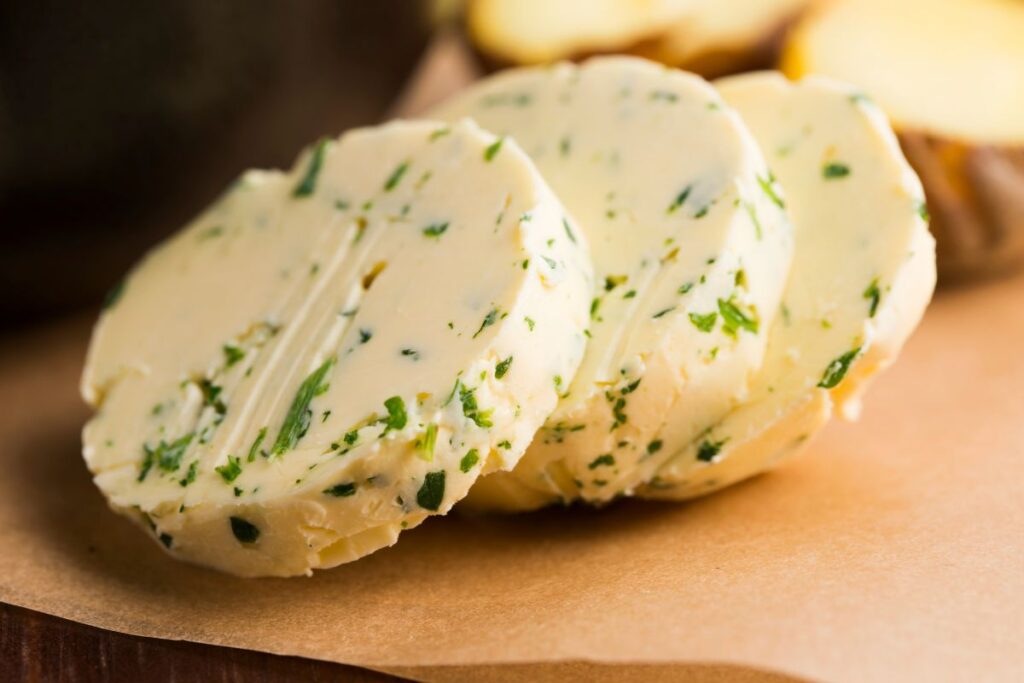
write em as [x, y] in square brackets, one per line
[691, 251]
[329, 356]
[863, 273]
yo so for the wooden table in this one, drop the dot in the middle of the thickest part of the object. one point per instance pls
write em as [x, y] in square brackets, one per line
[38, 647]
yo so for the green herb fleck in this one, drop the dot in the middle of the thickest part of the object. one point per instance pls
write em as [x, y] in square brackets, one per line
[113, 295]
[834, 170]
[502, 368]
[489, 319]
[232, 354]
[257, 442]
[439, 133]
[396, 176]
[481, 418]
[190, 475]
[654, 446]
[245, 532]
[396, 417]
[469, 459]
[680, 199]
[663, 312]
[735, 318]
[922, 211]
[307, 185]
[529, 322]
[768, 185]
[166, 539]
[341, 490]
[431, 493]
[684, 289]
[709, 449]
[606, 459]
[230, 471]
[704, 323]
[493, 149]
[435, 230]
[613, 281]
[874, 295]
[296, 421]
[426, 444]
[836, 370]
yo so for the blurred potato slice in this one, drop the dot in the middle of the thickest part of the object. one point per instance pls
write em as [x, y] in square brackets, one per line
[950, 74]
[709, 37]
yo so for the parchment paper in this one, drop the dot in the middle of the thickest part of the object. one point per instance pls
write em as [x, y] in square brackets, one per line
[893, 550]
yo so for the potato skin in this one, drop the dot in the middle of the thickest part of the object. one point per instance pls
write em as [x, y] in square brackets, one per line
[724, 60]
[975, 200]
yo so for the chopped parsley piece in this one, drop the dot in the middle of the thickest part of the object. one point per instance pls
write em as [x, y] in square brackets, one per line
[232, 354]
[307, 185]
[166, 456]
[439, 133]
[630, 294]
[595, 305]
[664, 96]
[469, 459]
[113, 295]
[341, 490]
[874, 295]
[836, 370]
[190, 475]
[680, 199]
[708, 450]
[613, 281]
[529, 322]
[568, 230]
[435, 230]
[922, 211]
[296, 421]
[411, 353]
[505, 443]
[365, 336]
[166, 539]
[654, 446]
[493, 149]
[257, 442]
[396, 176]
[834, 170]
[768, 185]
[211, 396]
[606, 459]
[735, 318]
[351, 437]
[230, 471]
[431, 493]
[502, 368]
[397, 417]
[425, 445]
[663, 312]
[245, 532]
[684, 289]
[481, 418]
[704, 323]
[489, 319]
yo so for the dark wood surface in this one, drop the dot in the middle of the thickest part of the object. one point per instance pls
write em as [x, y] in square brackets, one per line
[39, 647]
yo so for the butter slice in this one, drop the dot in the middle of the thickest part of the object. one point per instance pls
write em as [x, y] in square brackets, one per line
[328, 356]
[863, 273]
[691, 252]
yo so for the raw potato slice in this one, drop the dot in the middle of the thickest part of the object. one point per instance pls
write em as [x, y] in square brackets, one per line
[327, 357]
[691, 252]
[863, 273]
[719, 37]
[950, 73]
[710, 37]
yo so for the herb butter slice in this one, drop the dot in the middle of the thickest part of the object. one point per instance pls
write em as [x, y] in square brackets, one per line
[863, 273]
[691, 250]
[328, 356]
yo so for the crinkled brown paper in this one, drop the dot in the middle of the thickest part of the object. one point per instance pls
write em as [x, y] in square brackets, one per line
[892, 550]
